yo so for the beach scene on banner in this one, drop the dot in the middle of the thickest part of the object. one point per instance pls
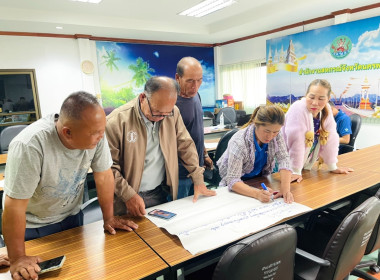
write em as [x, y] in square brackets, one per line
[124, 69]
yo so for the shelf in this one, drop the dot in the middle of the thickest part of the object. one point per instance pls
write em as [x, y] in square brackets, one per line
[15, 123]
[17, 113]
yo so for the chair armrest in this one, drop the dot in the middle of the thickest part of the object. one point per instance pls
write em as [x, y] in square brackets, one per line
[312, 257]
[88, 202]
[345, 148]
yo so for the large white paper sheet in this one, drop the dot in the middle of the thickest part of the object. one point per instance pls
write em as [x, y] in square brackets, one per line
[215, 221]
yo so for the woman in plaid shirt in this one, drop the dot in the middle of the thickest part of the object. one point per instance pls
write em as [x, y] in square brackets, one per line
[252, 152]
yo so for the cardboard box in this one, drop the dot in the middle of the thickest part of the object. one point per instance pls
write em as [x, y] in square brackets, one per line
[239, 105]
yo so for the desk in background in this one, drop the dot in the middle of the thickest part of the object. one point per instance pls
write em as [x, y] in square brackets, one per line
[93, 254]
[318, 189]
[212, 143]
[207, 121]
[213, 132]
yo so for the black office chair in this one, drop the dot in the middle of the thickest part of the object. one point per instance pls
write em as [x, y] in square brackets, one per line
[212, 176]
[91, 211]
[265, 255]
[223, 144]
[7, 135]
[356, 123]
[243, 119]
[210, 115]
[229, 116]
[240, 114]
[372, 245]
[335, 257]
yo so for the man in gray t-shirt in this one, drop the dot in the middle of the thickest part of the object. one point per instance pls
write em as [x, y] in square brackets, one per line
[46, 168]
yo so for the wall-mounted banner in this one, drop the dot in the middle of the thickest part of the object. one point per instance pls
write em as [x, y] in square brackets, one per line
[124, 68]
[347, 55]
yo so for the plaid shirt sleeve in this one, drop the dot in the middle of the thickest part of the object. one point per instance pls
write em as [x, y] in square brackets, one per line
[232, 163]
[282, 154]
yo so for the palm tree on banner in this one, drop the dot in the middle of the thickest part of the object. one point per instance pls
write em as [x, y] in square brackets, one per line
[141, 72]
[110, 59]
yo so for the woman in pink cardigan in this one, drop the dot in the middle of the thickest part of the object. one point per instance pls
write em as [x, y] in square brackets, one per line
[310, 131]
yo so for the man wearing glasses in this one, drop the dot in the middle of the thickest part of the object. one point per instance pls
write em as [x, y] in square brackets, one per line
[146, 136]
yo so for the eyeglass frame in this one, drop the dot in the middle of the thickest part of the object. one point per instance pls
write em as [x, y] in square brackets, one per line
[171, 114]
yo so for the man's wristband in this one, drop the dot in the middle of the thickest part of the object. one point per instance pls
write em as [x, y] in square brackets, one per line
[206, 156]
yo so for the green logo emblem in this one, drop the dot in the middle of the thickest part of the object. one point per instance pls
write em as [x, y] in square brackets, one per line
[340, 47]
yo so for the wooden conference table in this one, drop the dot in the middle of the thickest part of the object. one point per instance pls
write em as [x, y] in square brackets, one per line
[317, 190]
[92, 254]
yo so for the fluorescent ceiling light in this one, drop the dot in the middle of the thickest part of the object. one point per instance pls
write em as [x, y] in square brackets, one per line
[88, 1]
[59, 27]
[207, 7]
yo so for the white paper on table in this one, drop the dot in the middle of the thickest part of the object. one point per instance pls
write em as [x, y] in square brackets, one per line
[211, 145]
[208, 129]
[215, 221]
[2, 183]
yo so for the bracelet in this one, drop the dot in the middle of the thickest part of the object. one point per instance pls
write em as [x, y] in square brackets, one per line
[206, 156]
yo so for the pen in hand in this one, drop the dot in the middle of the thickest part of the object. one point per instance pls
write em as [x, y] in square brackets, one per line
[265, 188]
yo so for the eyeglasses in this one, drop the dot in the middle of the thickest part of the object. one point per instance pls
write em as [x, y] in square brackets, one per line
[160, 115]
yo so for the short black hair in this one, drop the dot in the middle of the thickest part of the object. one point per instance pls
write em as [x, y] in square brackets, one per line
[76, 103]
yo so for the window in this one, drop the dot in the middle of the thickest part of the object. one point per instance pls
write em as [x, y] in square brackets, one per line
[245, 81]
[19, 102]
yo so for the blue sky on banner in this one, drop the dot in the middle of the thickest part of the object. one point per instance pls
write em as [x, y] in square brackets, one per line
[161, 60]
[362, 62]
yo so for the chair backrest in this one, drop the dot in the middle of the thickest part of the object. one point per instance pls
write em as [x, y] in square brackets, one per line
[240, 114]
[374, 241]
[91, 211]
[223, 144]
[229, 115]
[265, 255]
[348, 243]
[243, 119]
[356, 123]
[208, 114]
[7, 135]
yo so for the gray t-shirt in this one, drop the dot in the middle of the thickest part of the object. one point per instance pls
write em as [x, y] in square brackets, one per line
[40, 168]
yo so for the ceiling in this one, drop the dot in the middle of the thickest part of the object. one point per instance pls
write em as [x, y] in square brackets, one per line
[158, 19]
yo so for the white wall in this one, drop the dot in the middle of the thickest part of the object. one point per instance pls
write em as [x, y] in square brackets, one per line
[57, 65]
[255, 48]
[369, 135]
[55, 60]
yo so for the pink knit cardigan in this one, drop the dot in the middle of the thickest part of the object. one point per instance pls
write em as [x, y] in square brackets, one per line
[298, 120]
